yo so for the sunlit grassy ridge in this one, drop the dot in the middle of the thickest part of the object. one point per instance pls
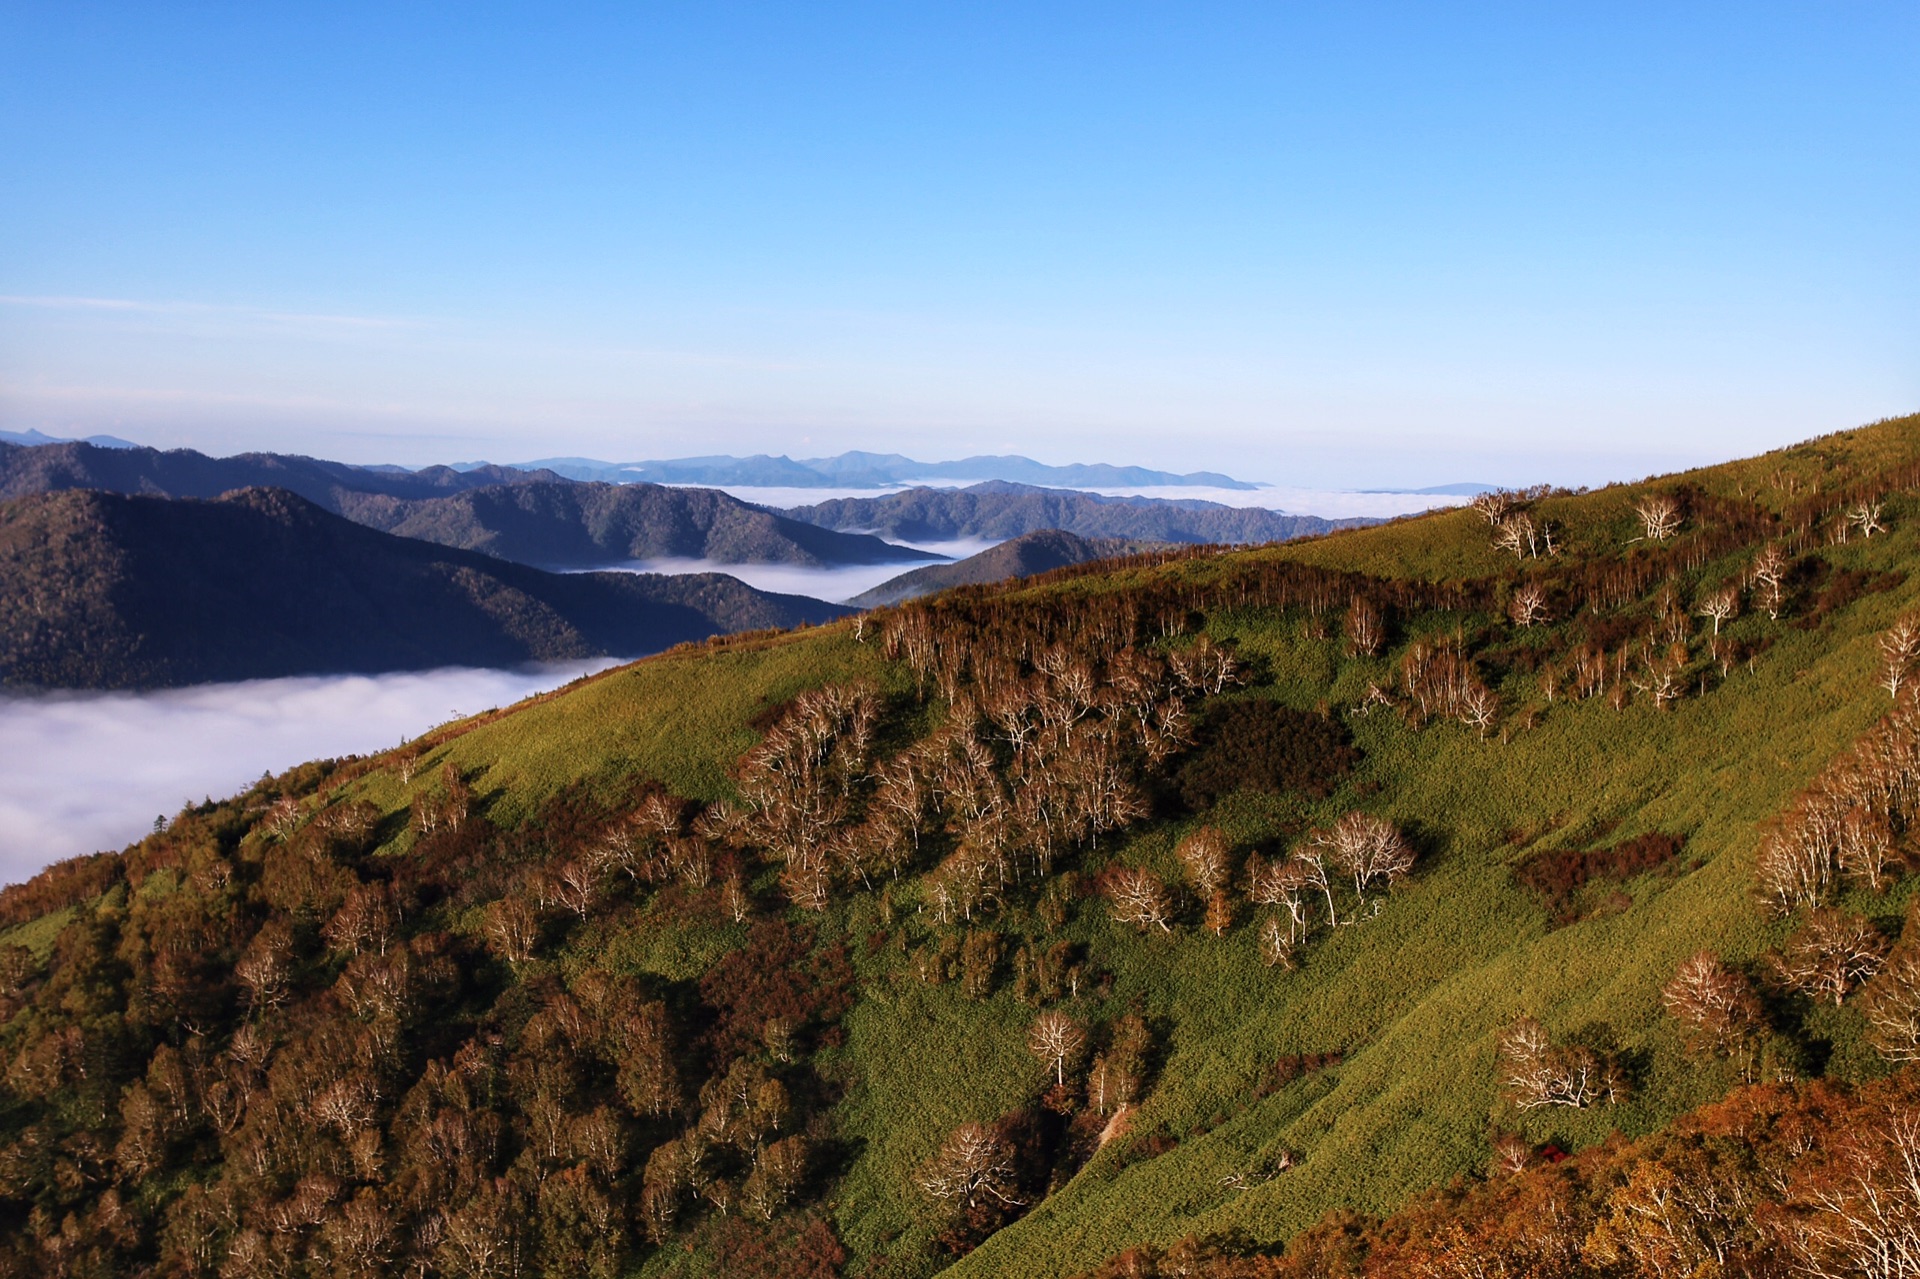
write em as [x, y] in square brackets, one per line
[1412, 997]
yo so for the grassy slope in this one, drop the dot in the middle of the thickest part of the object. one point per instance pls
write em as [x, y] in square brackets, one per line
[1414, 995]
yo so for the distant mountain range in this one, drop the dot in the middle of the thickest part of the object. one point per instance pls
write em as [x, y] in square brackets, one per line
[126, 567]
[102, 590]
[50, 468]
[1000, 510]
[530, 517]
[1023, 556]
[31, 438]
[873, 470]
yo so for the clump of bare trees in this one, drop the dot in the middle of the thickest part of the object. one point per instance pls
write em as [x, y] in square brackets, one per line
[1659, 517]
[1891, 1003]
[1139, 897]
[1528, 607]
[1439, 678]
[1830, 955]
[1717, 1008]
[974, 1166]
[1301, 891]
[1366, 627]
[1535, 1072]
[1898, 649]
[1843, 826]
[1369, 850]
[1515, 527]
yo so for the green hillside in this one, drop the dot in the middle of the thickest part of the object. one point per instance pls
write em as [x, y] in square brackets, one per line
[1355, 1074]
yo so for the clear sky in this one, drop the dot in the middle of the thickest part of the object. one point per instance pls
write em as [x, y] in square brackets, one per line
[1340, 244]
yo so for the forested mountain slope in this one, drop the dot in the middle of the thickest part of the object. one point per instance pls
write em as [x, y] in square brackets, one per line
[1011, 929]
[999, 509]
[99, 590]
[586, 525]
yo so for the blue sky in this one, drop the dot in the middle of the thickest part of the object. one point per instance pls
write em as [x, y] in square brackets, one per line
[1342, 244]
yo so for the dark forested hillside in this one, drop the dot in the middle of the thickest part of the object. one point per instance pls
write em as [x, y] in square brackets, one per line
[105, 591]
[1522, 891]
[998, 509]
[583, 525]
[1022, 556]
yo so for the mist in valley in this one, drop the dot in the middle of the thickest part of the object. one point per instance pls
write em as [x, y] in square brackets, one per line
[835, 585]
[84, 772]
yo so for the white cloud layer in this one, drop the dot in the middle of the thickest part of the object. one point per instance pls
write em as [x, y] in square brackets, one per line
[82, 772]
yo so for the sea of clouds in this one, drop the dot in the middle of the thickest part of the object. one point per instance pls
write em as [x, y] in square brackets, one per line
[83, 772]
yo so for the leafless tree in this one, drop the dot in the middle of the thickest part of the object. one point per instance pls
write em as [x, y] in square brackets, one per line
[1722, 606]
[1376, 698]
[1277, 944]
[974, 1165]
[365, 921]
[1518, 533]
[578, 886]
[1661, 675]
[1830, 955]
[513, 930]
[1479, 707]
[1714, 1003]
[1865, 516]
[1205, 667]
[283, 815]
[1057, 1038]
[1203, 854]
[1366, 627]
[1863, 846]
[1139, 897]
[1898, 648]
[1369, 850]
[459, 796]
[1536, 1073]
[1528, 607]
[1659, 515]
[1492, 506]
[266, 968]
[1769, 574]
[1892, 1006]
[735, 897]
[1794, 868]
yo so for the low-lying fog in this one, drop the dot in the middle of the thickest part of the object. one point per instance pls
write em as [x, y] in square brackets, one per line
[835, 585]
[82, 772]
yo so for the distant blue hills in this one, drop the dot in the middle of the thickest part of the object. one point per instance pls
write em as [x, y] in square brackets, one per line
[31, 438]
[874, 470]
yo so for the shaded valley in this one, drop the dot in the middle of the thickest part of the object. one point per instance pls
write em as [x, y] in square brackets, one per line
[106, 591]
